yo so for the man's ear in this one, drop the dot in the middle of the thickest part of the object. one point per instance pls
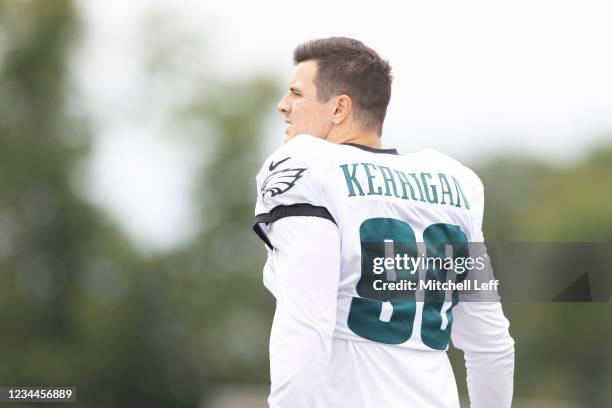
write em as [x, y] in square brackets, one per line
[343, 109]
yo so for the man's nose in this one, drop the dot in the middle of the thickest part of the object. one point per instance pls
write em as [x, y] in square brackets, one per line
[283, 106]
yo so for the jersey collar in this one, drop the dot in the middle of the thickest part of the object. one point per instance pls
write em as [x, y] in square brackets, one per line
[372, 149]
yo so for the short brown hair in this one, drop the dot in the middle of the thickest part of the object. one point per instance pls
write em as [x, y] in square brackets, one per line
[347, 66]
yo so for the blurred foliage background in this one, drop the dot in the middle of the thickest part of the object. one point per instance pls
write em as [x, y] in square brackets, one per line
[81, 306]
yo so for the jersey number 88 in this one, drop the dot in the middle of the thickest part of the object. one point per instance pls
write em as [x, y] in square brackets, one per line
[364, 317]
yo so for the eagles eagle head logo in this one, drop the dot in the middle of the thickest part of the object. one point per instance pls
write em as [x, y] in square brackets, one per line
[280, 181]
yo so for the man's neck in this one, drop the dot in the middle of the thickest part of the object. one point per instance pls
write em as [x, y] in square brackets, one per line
[370, 139]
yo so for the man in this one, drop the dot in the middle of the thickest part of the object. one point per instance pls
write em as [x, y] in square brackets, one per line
[338, 215]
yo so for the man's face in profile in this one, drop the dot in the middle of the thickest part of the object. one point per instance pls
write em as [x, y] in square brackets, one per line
[302, 110]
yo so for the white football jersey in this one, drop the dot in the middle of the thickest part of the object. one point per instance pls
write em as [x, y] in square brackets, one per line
[383, 205]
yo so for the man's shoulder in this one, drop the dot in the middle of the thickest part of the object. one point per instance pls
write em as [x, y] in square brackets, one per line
[301, 155]
[290, 175]
[435, 156]
[303, 148]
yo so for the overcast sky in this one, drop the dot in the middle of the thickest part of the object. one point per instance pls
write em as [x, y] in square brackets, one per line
[471, 79]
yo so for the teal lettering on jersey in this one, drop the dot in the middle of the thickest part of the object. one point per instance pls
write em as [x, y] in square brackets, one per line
[416, 180]
[405, 183]
[364, 314]
[437, 237]
[388, 178]
[351, 180]
[370, 178]
[433, 197]
[364, 318]
[460, 194]
[446, 189]
[390, 182]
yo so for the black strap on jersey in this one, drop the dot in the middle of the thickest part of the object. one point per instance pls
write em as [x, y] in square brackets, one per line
[282, 211]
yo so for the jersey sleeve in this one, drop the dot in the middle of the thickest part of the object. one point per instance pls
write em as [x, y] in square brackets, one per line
[480, 328]
[476, 194]
[290, 183]
[477, 247]
[306, 268]
[293, 218]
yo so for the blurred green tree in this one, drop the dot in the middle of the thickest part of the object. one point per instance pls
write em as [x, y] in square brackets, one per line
[212, 295]
[74, 304]
[79, 306]
[562, 349]
[229, 309]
